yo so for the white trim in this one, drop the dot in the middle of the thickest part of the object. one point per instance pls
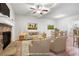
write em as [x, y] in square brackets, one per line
[6, 20]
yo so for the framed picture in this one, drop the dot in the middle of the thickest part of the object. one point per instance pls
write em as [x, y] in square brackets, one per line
[32, 26]
[50, 27]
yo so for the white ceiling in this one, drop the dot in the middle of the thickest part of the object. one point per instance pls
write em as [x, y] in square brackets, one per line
[58, 11]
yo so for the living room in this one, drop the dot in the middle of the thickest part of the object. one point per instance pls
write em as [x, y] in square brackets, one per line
[49, 29]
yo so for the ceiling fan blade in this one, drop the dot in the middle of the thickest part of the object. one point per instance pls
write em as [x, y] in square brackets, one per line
[34, 12]
[29, 6]
[45, 10]
[41, 13]
[32, 8]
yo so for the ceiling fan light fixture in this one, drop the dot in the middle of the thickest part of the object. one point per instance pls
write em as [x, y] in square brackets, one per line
[39, 9]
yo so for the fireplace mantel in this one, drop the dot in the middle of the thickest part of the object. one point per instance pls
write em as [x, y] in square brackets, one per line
[6, 20]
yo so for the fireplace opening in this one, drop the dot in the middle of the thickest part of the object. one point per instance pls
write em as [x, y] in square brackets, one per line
[6, 39]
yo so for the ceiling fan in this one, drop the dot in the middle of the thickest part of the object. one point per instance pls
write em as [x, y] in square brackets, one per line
[39, 9]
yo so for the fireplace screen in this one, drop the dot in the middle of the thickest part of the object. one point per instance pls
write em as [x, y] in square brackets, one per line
[6, 39]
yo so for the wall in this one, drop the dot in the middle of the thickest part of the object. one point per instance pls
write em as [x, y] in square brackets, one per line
[67, 23]
[22, 21]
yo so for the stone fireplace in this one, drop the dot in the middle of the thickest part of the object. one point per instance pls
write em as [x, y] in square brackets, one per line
[5, 36]
[6, 26]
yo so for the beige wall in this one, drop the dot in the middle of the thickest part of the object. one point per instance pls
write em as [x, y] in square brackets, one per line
[22, 21]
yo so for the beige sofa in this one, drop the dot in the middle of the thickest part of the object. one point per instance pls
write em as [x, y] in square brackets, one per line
[39, 47]
[58, 45]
